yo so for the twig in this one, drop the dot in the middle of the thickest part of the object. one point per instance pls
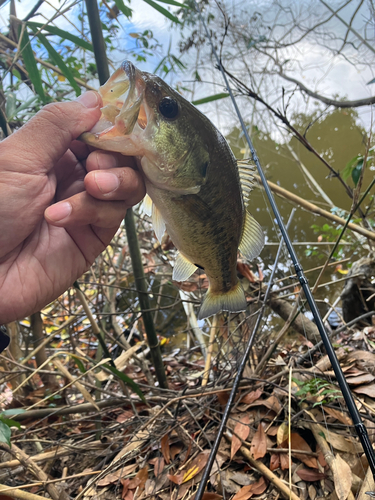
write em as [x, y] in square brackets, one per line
[284, 193]
[265, 471]
[22, 495]
[209, 350]
[31, 466]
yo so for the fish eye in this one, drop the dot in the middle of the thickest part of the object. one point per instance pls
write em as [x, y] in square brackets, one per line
[168, 107]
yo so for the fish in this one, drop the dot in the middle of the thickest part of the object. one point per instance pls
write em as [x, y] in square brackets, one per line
[196, 192]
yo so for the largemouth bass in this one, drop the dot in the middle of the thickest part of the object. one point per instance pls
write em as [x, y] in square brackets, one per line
[192, 180]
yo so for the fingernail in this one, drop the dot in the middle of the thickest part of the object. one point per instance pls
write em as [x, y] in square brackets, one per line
[89, 99]
[106, 182]
[59, 211]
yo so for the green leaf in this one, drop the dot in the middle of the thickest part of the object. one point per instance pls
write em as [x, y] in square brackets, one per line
[58, 61]
[64, 34]
[211, 98]
[13, 411]
[177, 4]
[356, 172]
[345, 174]
[79, 363]
[123, 8]
[31, 67]
[127, 380]
[163, 11]
[9, 422]
[11, 105]
[5, 433]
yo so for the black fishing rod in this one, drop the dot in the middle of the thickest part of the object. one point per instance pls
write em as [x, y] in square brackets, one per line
[354, 413]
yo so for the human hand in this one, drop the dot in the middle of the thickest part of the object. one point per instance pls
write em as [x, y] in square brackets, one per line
[60, 204]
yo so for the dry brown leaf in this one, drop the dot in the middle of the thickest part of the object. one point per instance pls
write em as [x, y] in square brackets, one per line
[274, 461]
[298, 443]
[368, 390]
[364, 378]
[175, 450]
[211, 496]
[251, 397]
[164, 444]
[339, 415]
[142, 475]
[196, 466]
[282, 433]
[241, 430]
[109, 479]
[252, 489]
[310, 475]
[312, 492]
[340, 442]
[258, 446]
[159, 466]
[123, 417]
[223, 397]
[175, 479]
[284, 461]
[244, 494]
[342, 476]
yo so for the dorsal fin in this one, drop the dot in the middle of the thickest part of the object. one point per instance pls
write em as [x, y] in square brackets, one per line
[183, 268]
[252, 240]
[246, 170]
[158, 223]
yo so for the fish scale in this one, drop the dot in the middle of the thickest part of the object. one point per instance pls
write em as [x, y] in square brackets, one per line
[191, 177]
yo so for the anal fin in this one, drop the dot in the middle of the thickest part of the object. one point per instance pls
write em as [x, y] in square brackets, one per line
[252, 240]
[183, 268]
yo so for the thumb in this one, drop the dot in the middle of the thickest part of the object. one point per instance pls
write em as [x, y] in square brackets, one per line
[46, 137]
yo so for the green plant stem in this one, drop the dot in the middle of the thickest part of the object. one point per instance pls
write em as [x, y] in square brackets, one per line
[97, 40]
[141, 285]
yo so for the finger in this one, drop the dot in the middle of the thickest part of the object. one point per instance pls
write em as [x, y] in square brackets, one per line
[116, 184]
[82, 209]
[46, 137]
[101, 160]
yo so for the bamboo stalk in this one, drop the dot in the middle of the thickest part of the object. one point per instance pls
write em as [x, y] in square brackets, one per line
[141, 285]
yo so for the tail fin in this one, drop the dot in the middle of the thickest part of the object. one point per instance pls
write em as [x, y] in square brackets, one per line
[232, 301]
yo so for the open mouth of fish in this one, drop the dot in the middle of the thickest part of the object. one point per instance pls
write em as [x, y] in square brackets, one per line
[123, 110]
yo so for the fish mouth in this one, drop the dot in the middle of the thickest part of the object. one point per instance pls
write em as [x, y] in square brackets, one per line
[123, 107]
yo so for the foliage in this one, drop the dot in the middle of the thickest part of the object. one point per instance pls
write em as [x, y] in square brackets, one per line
[317, 388]
[354, 167]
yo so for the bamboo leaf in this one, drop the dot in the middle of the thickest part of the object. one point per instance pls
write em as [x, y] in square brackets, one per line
[31, 67]
[5, 433]
[177, 4]
[123, 8]
[127, 380]
[64, 34]
[163, 11]
[210, 98]
[58, 61]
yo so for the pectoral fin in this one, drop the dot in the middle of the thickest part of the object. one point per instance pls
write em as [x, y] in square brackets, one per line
[158, 223]
[252, 240]
[183, 268]
[146, 206]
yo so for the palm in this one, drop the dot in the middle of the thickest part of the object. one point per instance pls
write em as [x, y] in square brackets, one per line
[40, 261]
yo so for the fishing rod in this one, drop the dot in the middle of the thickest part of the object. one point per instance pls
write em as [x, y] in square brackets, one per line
[354, 413]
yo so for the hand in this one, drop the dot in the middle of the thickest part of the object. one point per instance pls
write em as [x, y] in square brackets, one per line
[60, 205]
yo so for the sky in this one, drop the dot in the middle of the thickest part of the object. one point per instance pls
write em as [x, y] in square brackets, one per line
[312, 65]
